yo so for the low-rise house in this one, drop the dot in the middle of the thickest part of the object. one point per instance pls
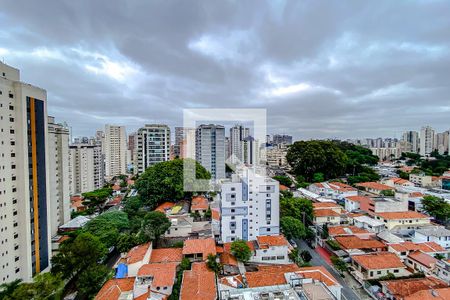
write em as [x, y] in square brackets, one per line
[443, 270]
[376, 265]
[431, 294]
[333, 190]
[117, 289]
[199, 249]
[345, 230]
[396, 182]
[155, 281]
[353, 203]
[166, 255]
[403, 220]
[374, 187]
[199, 204]
[198, 283]
[401, 288]
[349, 243]
[425, 181]
[404, 249]
[165, 207]
[76, 203]
[369, 224]
[137, 257]
[421, 262]
[215, 223]
[328, 212]
[437, 234]
[74, 224]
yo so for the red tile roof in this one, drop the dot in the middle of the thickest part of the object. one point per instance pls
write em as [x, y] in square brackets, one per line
[112, 289]
[325, 213]
[320, 205]
[164, 207]
[137, 253]
[379, 260]
[345, 230]
[402, 215]
[198, 283]
[404, 287]
[435, 294]
[318, 273]
[227, 258]
[283, 188]
[269, 275]
[424, 247]
[423, 258]
[215, 214]
[354, 242]
[358, 198]
[204, 246]
[163, 274]
[199, 203]
[271, 240]
[116, 187]
[341, 186]
[164, 255]
[375, 186]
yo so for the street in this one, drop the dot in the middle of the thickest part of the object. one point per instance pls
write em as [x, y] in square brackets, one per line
[348, 292]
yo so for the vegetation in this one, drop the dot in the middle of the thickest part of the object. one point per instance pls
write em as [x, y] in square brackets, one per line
[292, 228]
[295, 207]
[95, 199]
[324, 234]
[387, 193]
[334, 245]
[213, 264]
[241, 250]
[184, 265]
[91, 280]
[306, 256]
[164, 182]
[154, 225]
[107, 227]
[284, 180]
[44, 286]
[437, 208]
[391, 276]
[339, 264]
[435, 167]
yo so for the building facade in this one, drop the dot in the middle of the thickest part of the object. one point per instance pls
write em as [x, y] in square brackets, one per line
[426, 140]
[85, 167]
[24, 187]
[115, 148]
[238, 134]
[412, 138]
[210, 149]
[153, 146]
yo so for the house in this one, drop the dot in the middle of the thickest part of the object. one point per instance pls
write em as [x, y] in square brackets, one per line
[137, 257]
[437, 234]
[115, 289]
[369, 224]
[402, 250]
[76, 203]
[425, 181]
[430, 294]
[443, 270]
[403, 220]
[352, 242]
[165, 207]
[345, 230]
[327, 212]
[199, 204]
[376, 265]
[401, 288]
[199, 249]
[353, 203]
[269, 275]
[155, 278]
[166, 255]
[333, 190]
[421, 262]
[320, 274]
[374, 187]
[198, 283]
[74, 224]
[396, 182]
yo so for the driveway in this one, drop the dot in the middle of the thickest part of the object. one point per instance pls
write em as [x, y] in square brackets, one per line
[350, 290]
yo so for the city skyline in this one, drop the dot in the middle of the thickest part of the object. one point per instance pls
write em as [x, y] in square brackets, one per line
[106, 69]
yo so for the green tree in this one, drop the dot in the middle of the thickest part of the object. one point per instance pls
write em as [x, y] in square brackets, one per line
[241, 250]
[208, 214]
[97, 197]
[44, 286]
[91, 280]
[339, 264]
[292, 228]
[125, 242]
[318, 177]
[7, 289]
[132, 206]
[387, 193]
[437, 208]
[306, 256]
[213, 264]
[284, 180]
[107, 227]
[164, 182]
[154, 225]
[324, 234]
[295, 207]
[84, 251]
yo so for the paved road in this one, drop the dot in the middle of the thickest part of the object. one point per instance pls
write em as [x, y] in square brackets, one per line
[347, 292]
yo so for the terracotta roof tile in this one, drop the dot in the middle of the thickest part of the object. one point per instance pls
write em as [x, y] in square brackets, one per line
[402, 215]
[215, 214]
[283, 188]
[204, 246]
[358, 198]
[318, 273]
[435, 294]
[269, 275]
[375, 186]
[227, 258]
[112, 289]
[325, 213]
[137, 253]
[354, 242]
[199, 203]
[423, 258]
[320, 205]
[198, 283]
[405, 287]
[424, 247]
[163, 274]
[345, 230]
[164, 255]
[272, 240]
[341, 186]
[164, 207]
[379, 260]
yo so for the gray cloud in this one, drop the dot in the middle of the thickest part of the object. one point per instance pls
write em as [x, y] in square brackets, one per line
[321, 68]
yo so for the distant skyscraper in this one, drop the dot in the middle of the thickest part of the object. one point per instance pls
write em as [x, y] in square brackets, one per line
[441, 142]
[85, 167]
[115, 148]
[210, 149]
[187, 146]
[237, 134]
[282, 139]
[179, 138]
[153, 144]
[58, 141]
[132, 150]
[426, 140]
[412, 137]
[24, 188]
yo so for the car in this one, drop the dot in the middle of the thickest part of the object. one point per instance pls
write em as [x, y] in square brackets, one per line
[293, 243]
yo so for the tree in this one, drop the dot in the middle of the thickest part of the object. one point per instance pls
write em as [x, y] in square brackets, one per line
[91, 280]
[292, 228]
[125, 242]
[318, 177]
[165, 182]
[132, 206]
[241, 250]
[44, 286]
[387, 193]
[154, 225]
[339, 264]
[84, 251]
[213, 264]
[437, 208]
[295, 207]
[284, 180]
[208, 214]
[97, 197]
[7, 289]
[324, 235]
[306, 256]
[107, 227]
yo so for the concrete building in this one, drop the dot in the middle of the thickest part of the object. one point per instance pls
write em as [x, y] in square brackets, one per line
[115, 148]
[376, 265]
[412, 138]
[153, 146]
[210, 149]
[426, 140]
[238, 134]
[185, 141]
[276, 156]
[438, 234]
[441, 142]
[132, 151]
[86, 171]
[249, 206]
[279, 139]
[58, 141]
[24, 189]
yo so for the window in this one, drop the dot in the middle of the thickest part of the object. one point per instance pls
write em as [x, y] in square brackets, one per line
[11, 95]
[378, 272]
[396, 271]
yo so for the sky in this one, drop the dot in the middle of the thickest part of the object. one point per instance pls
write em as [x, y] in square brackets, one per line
[321, 69]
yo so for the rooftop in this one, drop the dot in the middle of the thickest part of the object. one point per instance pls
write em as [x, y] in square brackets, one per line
[163, 274]
[405, 287]
[265, 241]
[164, 255]
[78, 222]
[199, 203]
[325, 213]
[137, 253]
[423, 258]
[326, 205]
[269, 275]
[378, 261]
[358, 198]
[198, 283]
[368, 220]
[204, 246]
[431, 294]
[375, 186]
[165, 207]
[345, 230]
[402, 215]
[437, 231]
[354, 242]
[112, 289]
[318, 273]
[424, 247]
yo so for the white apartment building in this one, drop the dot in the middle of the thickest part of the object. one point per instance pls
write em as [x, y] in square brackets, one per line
[412, 138]
[85, 167]
[153, 146]
[210, 149]
[237, 135]
[115, 148]
[249, 206]
[58, 141]
[441, 142]
[24, 178]
[426, 140]
[187, 143]
[276, 155]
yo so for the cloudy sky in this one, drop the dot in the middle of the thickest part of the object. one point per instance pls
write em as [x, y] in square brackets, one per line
[321, 68]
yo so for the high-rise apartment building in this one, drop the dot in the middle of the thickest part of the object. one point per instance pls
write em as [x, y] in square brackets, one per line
[86, 167]
[153, 146]
[282, 139]
[249, 206]
[59, 179]
[131, 154]
[441, 142]
[115, 148]
[426, 140]
[24, 178]
[187, 146]
[237, 134]
[412, 137]
[210, 149]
